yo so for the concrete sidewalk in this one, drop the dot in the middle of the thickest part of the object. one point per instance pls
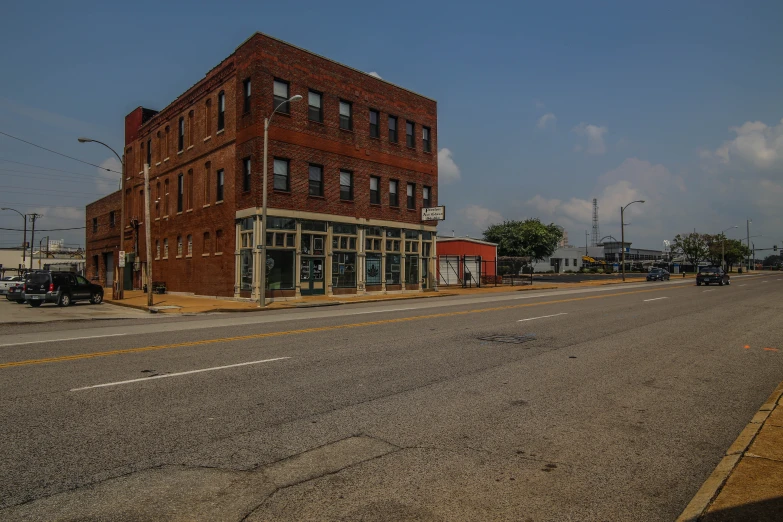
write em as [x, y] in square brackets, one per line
[192, 304]
[747, 484]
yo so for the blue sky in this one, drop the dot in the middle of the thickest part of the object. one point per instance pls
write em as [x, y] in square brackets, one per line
[542, 107]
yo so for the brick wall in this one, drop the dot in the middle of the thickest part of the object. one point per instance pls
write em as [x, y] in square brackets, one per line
[295, 137]
[262, 59]
[106, 239]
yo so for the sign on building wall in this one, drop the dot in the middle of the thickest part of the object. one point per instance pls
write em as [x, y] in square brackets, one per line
[433, 213]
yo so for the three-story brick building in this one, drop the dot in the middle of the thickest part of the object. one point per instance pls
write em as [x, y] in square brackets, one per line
[350, 167]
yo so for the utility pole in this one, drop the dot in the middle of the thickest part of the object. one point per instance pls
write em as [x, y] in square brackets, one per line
[33, 217]
[147, 231]
[747, 224]
[586, 236]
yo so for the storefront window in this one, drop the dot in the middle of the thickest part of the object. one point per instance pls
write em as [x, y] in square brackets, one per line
[280, 269]
[314, 226]
[246, 269]
[349, 230]
[344, 270]
[312, 245]
[412, 269]
[373, 269]
[276, 223]
[393, 269]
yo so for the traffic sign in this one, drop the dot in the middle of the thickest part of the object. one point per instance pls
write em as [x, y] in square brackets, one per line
[121, 260]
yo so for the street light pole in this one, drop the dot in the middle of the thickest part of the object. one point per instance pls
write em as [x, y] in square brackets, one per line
[262, 267]
[120, 270]
[622, 230]
[747, 224]
[24, 237]
[40, 250]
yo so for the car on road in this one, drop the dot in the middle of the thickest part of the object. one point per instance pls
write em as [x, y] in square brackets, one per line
[712, 275]
[658, 274]
[15, 293]
[9, 281]
[62, 288]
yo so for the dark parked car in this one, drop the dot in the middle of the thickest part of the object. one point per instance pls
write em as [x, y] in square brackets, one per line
[15, 293]
[712, 274]
[658, 274]
[62, 288]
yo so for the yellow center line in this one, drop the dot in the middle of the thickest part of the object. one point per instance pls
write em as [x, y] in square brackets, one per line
[108, 353]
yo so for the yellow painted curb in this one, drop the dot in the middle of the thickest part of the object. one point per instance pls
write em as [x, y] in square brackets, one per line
[712, 486]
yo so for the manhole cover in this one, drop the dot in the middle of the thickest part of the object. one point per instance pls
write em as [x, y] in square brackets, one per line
[513, 339]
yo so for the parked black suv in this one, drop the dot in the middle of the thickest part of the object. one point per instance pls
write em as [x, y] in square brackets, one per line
[63, 288]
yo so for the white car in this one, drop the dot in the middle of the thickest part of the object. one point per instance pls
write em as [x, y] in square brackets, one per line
[9, 281]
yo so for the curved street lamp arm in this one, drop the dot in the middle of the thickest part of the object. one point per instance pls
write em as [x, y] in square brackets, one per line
[24, 216]
[295, 97]
[85, 140]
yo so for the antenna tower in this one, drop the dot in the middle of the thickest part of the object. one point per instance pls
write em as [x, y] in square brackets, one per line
[596, 230]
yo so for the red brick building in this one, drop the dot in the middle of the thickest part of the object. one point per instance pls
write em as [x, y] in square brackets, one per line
[350, 167]
[103, 240]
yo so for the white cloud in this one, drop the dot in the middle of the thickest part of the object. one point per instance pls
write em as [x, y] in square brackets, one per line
[56, 216]
[481, 217]
[547, 121]
[448, 171]
[756, 143]
[375, 74]
[595, 137]
[632, 180]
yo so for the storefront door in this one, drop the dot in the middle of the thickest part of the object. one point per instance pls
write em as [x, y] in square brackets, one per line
[311, 275]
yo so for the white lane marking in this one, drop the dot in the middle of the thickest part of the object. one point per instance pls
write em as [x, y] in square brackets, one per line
[710, 290]
[62, 340]
[542, 317]
[656, 299]
[389, 310]
[178, 374]
[743, 285]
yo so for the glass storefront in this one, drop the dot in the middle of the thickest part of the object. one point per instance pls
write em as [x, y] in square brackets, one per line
[280, 269]
[344, 270]
[374, 269]
[412, 270]
[246, 270]
[392, 269]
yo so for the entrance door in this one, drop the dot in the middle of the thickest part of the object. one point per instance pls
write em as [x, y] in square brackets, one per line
[109, 263]
[311, 275]
[425, 274]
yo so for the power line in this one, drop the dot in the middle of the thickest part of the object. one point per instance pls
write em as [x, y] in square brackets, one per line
[42, 175]
[59, 153]
[50, 190]
[46, 168]
[37, 204]
[45, 229]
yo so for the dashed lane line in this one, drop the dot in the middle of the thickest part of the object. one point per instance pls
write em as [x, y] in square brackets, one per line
[142, 349]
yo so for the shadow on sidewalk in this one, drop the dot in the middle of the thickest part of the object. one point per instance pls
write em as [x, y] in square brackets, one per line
[764, 511]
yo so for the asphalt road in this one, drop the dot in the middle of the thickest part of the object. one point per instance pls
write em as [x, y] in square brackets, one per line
[612, 403]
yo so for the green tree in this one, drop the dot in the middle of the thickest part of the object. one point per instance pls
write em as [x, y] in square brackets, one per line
[692, 246]
[529, 238]
[735, 252]
[773, 260]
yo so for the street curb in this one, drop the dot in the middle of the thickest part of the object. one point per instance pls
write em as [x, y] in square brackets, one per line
[715, 482]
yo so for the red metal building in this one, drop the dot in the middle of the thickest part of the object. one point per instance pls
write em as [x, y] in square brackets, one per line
[464, 260]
